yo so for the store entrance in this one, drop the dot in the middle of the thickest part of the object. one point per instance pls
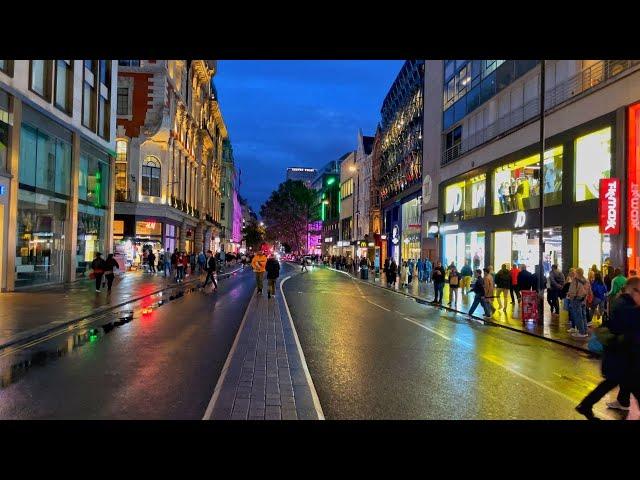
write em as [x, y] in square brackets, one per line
[522, 247]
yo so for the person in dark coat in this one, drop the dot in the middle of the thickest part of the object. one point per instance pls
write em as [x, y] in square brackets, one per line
[526, 279]
[386, 270]
[621, 357]
[109, 265]
[393, 270]
[273, 272]
[98, 266]
[438, 282]
[211, 265]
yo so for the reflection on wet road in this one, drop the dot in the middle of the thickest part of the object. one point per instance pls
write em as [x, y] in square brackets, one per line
[374, 354]
[158, 358]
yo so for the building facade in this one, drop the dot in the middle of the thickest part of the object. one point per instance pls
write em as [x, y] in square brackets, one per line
[228, 184]
[306, 175]
[169, 158]
[400, 163]
[57, 142]
[346, 227]
[327, 208]
[363, 237]
[489, 177]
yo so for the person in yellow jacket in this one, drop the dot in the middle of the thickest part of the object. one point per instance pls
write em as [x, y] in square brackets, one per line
[259, 264]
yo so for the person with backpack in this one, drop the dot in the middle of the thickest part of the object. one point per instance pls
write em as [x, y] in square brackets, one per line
[621, 355]
[454, 283]
[212, 267]
[598, 299]
[98, 266]
[273, 272]
[479, 296]
[556, 282]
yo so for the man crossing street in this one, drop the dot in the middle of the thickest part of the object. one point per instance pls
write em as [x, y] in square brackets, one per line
[211, 267]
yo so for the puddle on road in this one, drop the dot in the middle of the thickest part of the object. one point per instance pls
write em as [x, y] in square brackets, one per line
[39, 352]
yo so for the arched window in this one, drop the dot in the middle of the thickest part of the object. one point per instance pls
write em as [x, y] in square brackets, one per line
[151, 176]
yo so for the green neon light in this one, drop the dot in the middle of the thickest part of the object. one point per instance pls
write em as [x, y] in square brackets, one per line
[331, 181]
[322, 212]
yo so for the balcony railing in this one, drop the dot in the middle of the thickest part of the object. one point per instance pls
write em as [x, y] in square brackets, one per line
[585, 80]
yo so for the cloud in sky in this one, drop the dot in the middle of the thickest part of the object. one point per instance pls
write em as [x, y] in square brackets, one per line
[288, 113]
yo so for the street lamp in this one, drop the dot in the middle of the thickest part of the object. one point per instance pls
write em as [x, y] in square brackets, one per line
[541, 279]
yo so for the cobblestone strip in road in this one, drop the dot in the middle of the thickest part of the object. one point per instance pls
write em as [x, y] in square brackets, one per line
[264, 377]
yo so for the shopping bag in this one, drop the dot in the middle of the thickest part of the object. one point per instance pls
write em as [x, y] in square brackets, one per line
[594, 344]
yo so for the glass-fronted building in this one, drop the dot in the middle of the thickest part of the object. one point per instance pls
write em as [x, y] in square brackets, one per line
[490, 215]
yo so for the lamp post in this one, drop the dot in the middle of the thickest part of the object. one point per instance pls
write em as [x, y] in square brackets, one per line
[541, 278]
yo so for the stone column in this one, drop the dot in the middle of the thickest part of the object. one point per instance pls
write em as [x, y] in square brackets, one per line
[71, 233]
[182, 245]
[14, 169]
[199, 235]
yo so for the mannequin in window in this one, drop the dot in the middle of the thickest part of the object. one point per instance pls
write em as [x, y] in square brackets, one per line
[503, 194]
[513, 190]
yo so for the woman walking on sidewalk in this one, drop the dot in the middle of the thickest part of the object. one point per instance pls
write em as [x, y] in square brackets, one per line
[454, 283]
[98, 266]
[479, 296]
[110, 265]
[273, 272]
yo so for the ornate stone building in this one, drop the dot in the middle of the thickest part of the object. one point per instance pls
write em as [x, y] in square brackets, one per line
[168, 157]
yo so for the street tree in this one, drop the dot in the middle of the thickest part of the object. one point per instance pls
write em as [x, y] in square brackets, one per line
[287, 213]
[253, 234]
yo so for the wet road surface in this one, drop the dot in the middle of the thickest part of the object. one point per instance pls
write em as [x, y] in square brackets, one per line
[161, 364]
[374, 354]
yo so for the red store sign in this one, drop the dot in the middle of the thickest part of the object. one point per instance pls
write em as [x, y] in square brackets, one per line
[610, 206]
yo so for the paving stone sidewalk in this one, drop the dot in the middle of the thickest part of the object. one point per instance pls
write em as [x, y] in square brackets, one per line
[264, 379]
[552, 329]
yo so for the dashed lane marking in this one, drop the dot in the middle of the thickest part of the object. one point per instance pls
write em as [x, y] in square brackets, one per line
[379, 306]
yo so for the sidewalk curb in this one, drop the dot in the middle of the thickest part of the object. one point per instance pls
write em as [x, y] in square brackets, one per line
[35, 333]
[484, 320]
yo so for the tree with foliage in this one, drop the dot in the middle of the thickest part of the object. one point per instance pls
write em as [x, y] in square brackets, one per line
[253, 234]
[287, 214]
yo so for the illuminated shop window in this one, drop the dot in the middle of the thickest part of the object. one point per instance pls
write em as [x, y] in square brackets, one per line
[593, 248]
[593, 162]
[516, 186]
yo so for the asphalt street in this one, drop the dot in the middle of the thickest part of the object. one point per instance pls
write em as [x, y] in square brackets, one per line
[163, 364]
[375, 354]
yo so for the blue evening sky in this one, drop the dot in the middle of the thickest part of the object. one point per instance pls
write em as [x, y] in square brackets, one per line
[293, 113]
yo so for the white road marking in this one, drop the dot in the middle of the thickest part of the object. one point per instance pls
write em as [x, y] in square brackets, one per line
[314, 394]
[509, 369]
[379, 306]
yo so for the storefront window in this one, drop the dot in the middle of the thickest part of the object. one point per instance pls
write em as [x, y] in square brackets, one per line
[411, 228]
[91, 236]
[148, 229]
[171, 237]
[461, 248]
[454, 201]
[593, 162]
[593, 248]
[45, 161]
[501, 249]
[525, 248]
[474, 197]
[93, 184]
[516, 186]
[40, 238]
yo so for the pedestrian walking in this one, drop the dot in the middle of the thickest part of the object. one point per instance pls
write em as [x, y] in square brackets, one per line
[466, 274]
[151, 259]
[578, 291]
[202, 262]
[419, 269]
[303, 264]
[273, 272]
[211, 266]
[556, 282]
[503, 285]
[174, 261]
[598, 302]
[98, 266]
[111, 264]
[428, 268]
[454, 283]
[438, 283]
[515, 288]
[410, 265]
[393, 269]
[404, 274]
[479, 296]
[620, 355]
[180, 267]
[489, 289]
[259, 265]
